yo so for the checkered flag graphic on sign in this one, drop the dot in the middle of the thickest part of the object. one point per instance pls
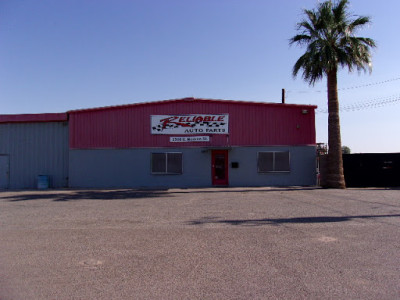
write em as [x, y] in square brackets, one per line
[160, 127]
[211, 124]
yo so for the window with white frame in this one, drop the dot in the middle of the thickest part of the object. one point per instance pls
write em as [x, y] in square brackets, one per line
[166, 163]
[274, 161]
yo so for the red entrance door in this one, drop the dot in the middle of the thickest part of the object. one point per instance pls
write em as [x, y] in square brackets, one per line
[219, 167]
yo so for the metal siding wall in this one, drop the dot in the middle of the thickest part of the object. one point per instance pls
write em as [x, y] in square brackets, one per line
[130, 168]
[302, 167]
[250, 125]
[35, 149]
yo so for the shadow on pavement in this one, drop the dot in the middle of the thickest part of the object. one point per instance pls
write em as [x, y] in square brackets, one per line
[88, 195]
[278, 221]
[121, 194]
[126, 194]
[224, 189]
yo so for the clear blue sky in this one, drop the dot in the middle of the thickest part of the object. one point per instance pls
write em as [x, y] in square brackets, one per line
[59, 55]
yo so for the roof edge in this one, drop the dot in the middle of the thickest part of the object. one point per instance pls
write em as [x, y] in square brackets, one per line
[190, 99]
[34, 118]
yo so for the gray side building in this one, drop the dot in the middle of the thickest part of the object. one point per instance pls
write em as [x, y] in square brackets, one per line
[32, 145]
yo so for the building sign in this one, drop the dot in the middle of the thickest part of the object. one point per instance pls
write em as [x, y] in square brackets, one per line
[190, 124]
[188, 139]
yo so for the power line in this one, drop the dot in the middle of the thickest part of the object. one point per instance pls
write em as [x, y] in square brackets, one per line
[369, 84]
[345, 88]
[370, 104]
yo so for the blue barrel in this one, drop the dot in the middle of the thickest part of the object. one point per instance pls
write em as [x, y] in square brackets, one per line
[43, 182]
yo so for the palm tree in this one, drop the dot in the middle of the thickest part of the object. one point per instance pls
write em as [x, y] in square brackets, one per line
[328, 32]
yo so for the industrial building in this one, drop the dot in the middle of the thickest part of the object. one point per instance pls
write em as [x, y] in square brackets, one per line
[185, 142]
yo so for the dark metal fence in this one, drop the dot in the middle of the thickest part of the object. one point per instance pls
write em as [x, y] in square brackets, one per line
[372, 169]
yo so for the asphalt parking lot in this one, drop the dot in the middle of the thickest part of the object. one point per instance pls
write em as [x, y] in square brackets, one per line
[226, 243]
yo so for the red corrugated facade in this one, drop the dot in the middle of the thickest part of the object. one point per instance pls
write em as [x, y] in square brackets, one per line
[250, 124]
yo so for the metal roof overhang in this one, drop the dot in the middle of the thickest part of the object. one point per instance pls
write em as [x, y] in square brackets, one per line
[26, 118]
[206, 149]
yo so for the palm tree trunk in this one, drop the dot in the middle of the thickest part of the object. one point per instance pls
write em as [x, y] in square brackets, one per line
[335, 176]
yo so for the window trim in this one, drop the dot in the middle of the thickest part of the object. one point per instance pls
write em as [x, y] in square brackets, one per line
[166, 163]
[273, 162]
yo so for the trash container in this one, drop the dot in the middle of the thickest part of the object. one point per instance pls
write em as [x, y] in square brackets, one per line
[43, 182]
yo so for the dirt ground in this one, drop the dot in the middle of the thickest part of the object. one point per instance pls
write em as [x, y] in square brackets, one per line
[225, 243]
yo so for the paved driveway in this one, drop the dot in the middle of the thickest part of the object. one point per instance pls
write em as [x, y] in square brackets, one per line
[237, 243]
